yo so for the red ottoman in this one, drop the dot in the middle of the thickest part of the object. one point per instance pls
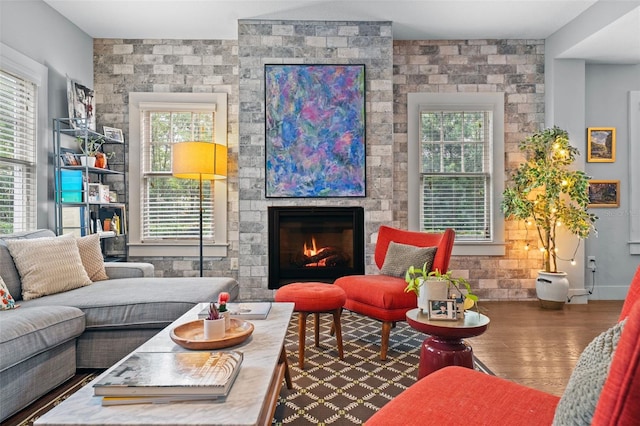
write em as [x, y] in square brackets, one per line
[314, 298]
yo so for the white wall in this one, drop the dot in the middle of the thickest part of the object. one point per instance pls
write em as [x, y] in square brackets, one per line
[607, 105]
[39, 32]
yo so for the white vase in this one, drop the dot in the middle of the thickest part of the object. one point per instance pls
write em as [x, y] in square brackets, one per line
[213, 329]
[88, 161]
[552, 289]
[227, 319]
[431, 289]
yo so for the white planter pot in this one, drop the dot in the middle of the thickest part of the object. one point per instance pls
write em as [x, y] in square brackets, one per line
[88, 161]
[213, 329]
[552, 289]
[431, 290]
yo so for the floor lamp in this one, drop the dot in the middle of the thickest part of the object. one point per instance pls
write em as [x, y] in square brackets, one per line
[200, 161]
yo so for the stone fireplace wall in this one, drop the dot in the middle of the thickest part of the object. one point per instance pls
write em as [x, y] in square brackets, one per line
[393, 69]
[311, 42]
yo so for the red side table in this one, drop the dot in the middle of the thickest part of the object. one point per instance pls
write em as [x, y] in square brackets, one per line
[445, 346]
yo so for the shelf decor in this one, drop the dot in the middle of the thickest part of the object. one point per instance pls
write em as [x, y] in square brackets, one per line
[315, 131]
[82, 105]
[601, 144]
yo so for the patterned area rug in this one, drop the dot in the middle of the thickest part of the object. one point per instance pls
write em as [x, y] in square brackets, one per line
[348, 391]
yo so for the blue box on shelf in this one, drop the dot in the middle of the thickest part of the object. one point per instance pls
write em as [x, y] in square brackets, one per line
[71, 186]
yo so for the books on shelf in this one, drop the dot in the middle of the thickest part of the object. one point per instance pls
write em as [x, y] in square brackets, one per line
[170, 374]
[244, 311]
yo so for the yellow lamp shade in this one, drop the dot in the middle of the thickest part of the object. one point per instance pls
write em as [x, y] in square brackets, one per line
[195, 160]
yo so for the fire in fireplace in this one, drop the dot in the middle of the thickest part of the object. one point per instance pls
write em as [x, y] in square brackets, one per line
[314, 244]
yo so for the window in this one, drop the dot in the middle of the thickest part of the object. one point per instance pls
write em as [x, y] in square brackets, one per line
[455, 145]
[22, 94]
[167, 209]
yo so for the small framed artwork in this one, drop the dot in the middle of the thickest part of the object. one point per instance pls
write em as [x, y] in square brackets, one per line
[69, 157]
[604, 193]
[443, 310]
[94, 193]
[601, 144]
[113, 133]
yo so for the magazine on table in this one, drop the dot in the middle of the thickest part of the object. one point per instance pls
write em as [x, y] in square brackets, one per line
[108, 401]
[244, 310]
[172, 373]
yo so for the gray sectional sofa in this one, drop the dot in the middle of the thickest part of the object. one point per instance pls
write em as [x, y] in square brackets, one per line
[46, 339]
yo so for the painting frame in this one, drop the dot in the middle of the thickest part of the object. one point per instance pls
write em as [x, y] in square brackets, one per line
[315, 130]
[604, 193]
[601, 144]
[450, 313]
[113, 133]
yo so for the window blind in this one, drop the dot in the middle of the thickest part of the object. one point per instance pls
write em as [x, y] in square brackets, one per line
[456, 173]
[171, 206]
[18, 117]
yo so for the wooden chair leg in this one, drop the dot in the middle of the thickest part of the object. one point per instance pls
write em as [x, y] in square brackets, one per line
[316, 324]
[333, 327]
[302, 329]
[384, 342]
[287, 372]
[338, 329]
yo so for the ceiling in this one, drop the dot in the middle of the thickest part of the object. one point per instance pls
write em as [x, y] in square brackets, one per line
[618, 42]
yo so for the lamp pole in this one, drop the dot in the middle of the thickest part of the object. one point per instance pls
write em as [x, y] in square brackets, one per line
[201, 236]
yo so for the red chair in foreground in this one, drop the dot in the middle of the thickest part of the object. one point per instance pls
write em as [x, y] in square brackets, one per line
[382, 297]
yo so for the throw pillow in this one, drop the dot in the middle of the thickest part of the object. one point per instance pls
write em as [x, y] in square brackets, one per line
[401, 256]
[6, 301]
[48, 265]
[579, 400]
[91, 256]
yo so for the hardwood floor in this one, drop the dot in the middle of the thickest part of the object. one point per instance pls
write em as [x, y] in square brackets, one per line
[536, 347]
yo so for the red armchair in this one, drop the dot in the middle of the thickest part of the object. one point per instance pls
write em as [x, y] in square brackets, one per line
[383, 297]
[456, 395]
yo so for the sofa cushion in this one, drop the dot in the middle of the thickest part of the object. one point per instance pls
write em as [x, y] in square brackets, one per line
[6, 300]
[8, 269]
[91, 257]
[48, 265]
[618, 404]
[26, 332]
[139, 302]
[401, 256]
[578, 402]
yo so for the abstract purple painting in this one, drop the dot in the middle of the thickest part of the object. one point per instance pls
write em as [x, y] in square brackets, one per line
[315, 130]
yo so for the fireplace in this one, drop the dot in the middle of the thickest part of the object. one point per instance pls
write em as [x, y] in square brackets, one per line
[314, 244]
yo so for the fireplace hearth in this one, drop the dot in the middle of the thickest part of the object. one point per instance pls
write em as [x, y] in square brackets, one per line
[314, 244]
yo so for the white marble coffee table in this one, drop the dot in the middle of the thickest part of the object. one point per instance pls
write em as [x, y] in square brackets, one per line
[251, 400]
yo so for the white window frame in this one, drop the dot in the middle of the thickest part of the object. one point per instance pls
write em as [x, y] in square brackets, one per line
[190, 247]
[18, 64]
[418, 102]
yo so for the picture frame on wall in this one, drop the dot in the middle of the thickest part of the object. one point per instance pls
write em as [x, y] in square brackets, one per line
[315, 130]
[82, 105]
[601, 144]
[604, 193]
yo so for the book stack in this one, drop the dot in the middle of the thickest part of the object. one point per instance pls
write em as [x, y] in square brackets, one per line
[165, 377]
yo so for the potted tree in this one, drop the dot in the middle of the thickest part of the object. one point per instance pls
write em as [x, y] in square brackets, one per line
[546, 193]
